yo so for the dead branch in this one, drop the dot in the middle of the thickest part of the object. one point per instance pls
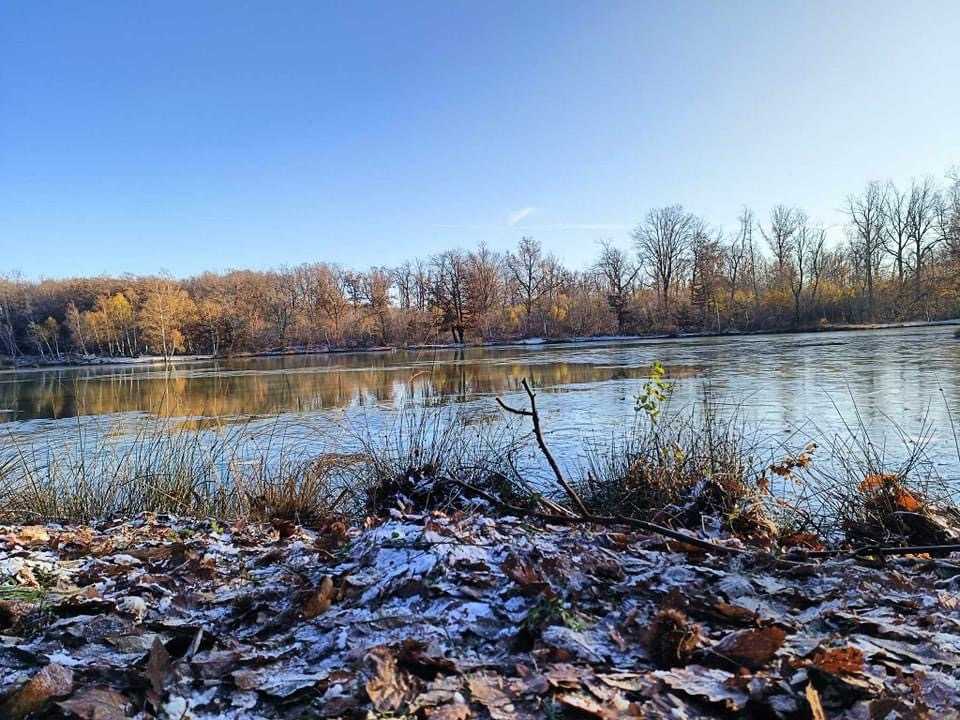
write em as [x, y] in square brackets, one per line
[886, 551]
[538, 433]
[606, 520]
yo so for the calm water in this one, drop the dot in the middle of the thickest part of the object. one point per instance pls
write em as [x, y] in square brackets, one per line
[795, 387]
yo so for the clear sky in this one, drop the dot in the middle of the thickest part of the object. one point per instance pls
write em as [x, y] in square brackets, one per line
[185, 136]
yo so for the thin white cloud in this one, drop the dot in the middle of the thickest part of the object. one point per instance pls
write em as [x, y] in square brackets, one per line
[517, 215]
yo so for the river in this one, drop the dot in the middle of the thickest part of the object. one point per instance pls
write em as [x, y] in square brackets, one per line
[793, 388]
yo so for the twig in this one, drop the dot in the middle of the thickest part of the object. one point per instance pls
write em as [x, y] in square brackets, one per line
[887, 551]
[599, 520]
[538, 432]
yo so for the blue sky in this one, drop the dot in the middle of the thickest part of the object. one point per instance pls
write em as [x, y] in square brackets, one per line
[189, 136]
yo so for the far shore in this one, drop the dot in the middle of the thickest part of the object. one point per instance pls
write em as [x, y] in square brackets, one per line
[29, 363]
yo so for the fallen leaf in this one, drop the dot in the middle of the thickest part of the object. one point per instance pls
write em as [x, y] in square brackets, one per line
[389, 688]
[672, 638]
[31, 535]
[710, 683]
[839, 660]
[52, 681]
[318, 602]
[99, 703]
[455, 711]
[484, 690]
[751, 648]
[583, 703]
[158, 665]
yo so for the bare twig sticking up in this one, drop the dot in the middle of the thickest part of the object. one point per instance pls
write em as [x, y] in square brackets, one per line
[535, 416]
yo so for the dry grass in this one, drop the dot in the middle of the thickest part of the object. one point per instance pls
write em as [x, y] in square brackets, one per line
[406, 465]
[681, 468]
[698, 468]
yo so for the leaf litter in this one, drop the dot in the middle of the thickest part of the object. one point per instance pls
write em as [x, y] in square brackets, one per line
[455, 616]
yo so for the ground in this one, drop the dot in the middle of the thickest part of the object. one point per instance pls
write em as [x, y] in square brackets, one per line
[462, 616]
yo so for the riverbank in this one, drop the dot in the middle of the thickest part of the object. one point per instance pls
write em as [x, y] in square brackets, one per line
[26, 363]
[423, 577]
[463, 615]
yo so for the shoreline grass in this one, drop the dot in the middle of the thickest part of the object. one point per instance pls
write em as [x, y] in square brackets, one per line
[693, 468]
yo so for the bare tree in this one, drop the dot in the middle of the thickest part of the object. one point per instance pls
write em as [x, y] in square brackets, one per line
[619, 275]
[921, 220]
[449, 291]
[484, 280]
[663, 245]
[948, 220]
[896, 228]
[784, 223]
[532, 272]
[707, 259]
[803, 262]
[405, 282]
[867, 216]
[738, 256]
[372, 288]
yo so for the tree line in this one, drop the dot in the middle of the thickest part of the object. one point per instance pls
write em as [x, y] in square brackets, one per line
[899, 260]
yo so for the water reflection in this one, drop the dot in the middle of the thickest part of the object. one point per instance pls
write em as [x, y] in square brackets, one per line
[270, 386]
[792, 385]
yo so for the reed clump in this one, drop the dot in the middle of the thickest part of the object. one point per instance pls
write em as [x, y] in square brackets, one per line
[702, 469]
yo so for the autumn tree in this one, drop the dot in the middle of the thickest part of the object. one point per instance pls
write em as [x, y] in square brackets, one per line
[896, 229]
[619, 275]
[706, 262]
[533, 274]
[165, 312]
[866, 212]
[484, 287]
[923, 209]
[448, 291]
[663, 245]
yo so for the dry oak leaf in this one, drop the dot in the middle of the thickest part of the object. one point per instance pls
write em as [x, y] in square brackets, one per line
[584, 703]
[839, 660]
[30, 535]
[52, 681]
[390, 688]
[699, 681]
[751, 648]
[318, 602]
[99, 703]
[158, 666]
[485, 690]
[456, 711]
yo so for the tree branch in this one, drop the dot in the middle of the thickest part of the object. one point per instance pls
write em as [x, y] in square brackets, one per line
[538, 433]
[605, 520]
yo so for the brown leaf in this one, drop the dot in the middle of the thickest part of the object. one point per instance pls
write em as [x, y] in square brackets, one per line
[99, 703]
[563, 675]
[672, 638]
[523, 574]
[390, 688]
[714, 685]
[583, 703]
[484, 690]
[30, 535]
[158, 665]
[456, 711]
[52, 681]
[751, 648]
[839, 661]
[318, 602]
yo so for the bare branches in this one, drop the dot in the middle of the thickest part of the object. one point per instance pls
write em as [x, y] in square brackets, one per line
[607, 520]
[538, 432]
